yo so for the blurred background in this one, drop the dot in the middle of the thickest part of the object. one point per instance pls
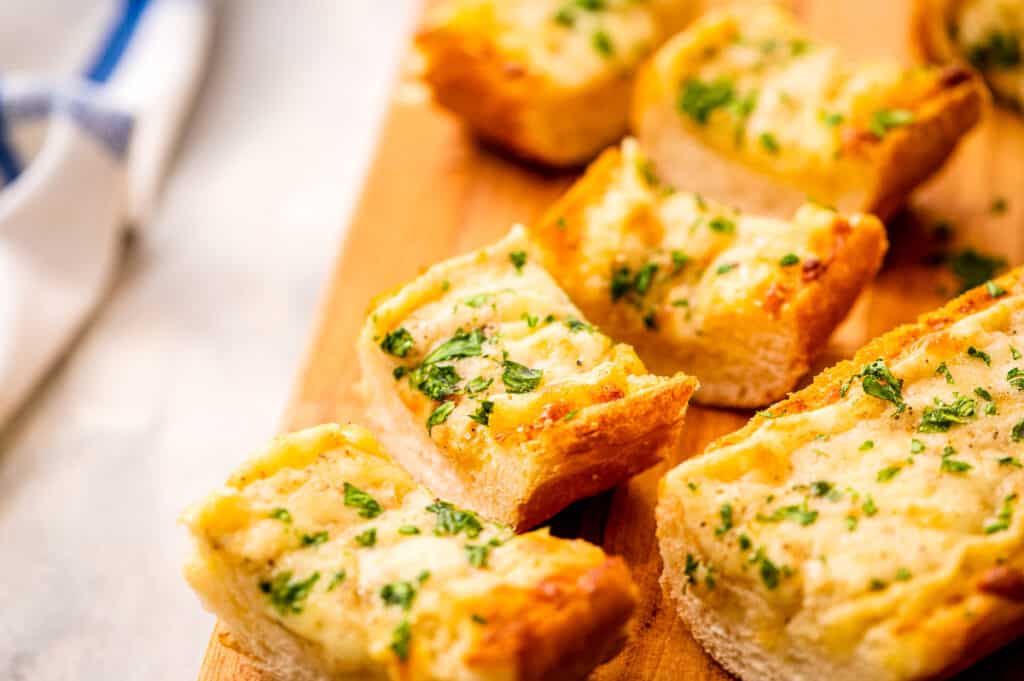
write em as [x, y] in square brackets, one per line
[189, 362]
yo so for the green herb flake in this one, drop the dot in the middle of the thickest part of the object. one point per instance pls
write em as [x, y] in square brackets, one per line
[478, 300]
[994, 289]
[943, 416]
[461, 345]
[357, 498]
[1003, 518]
[478, 619]
[281, 514]
[832, 119]
[866, 445]
[851, 522]
[602, 43]
[367, 538]
[576, 325]
[877, 584]
[452, 520]
[884, 120]
[1017, 433]
[482, 415]
[440, 415]
[398, 342]
[878, 382]
[478, 385]
[679, 261]
[698, 99]
[797, 514]
[518, 258]
[399, 593]
[286, 596]
[949, 465]
[725, 512]
[869, 507]
[520, 379]
[997, 51]
[531, 320]
[902, 575]
[722, 225]
[726, 268]
[336, 579]
[477, 554]
[314, 539]
[408, 530]
[975, 353]
[789, 260]
[571, 415]
[436, 381]
[943, 370]
[887, 474]
[401, 637]
[1016, 378]
[916, 446]
[1014, 353]
[820, 488]
[1011, 461]
[769, 143]
[769, 574]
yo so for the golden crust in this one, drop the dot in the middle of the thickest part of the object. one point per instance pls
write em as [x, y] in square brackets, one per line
[799, 305]
[931, 630]
[596, 418]
[537, 608]
[513, 101]
[866, 174]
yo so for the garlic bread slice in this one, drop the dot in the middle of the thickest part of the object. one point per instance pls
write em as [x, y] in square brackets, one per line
[325, 560]
[549, 80]
[746, 106]
[741, 302]
[871, 525]
[492, 388]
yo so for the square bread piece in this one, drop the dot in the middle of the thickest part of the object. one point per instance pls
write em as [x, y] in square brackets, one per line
[739, 301]
[988, 34]
[325, 560]
[549, 80]
[870, 526]
[489, 386]
[747, 107]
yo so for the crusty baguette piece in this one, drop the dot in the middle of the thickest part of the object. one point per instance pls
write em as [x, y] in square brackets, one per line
[489, 386]
[549, 80]
[326, 561]
[871, 526]
[745, 106]
[741, 302]
[988, 34]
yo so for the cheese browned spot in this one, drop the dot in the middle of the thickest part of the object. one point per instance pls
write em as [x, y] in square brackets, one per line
[741, 301]
[884, 561]
[416, 606]
[499, 358]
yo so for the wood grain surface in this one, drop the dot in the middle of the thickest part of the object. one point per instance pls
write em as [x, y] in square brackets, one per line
[432, 193]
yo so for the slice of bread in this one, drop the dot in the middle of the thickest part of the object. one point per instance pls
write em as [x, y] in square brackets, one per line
[870, 526]
[325, 561]
[746, 107]
[741, 302]
[488, 385]
[548, 80]
[987, 34]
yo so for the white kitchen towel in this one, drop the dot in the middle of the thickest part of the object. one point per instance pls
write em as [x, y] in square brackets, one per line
[92, 97]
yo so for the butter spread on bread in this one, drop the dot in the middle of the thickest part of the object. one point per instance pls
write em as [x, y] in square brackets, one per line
[326, 561]
[549, 80]
[871, 525]
[485, 381]
[742, 302]
[746, 106]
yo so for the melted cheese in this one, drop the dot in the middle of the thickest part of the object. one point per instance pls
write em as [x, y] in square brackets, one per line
[246, 543]
[876, 526]
[796, 109]
[990, 34]
[570, 45]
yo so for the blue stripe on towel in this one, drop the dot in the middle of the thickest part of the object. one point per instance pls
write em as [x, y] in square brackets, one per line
[10, 166]
[116, 42]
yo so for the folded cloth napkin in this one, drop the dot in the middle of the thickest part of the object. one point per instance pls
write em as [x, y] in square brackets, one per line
[92, 96]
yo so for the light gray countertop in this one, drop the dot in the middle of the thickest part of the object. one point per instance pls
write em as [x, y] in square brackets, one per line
[187, 367]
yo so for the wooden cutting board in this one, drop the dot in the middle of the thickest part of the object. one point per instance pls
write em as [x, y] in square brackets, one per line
[432, 193]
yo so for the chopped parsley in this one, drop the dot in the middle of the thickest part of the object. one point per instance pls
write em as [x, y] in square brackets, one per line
[866, 445]
[1010, 461]
[769, 573]
[367, 538]
[571, 415]
[994, 289]
[998, 51]
[408, 529]
[337, 579]
[851, 522]
[832, 119]
[477, 300]
[401, 637]
[398, 342]
[951, 465]
[577, 325]
[459, 346]
[1003, 518]
[916, 446]
[726, 514]
[477, 554]
[400, 593]
[314, 539]
[943, 416]
[884, 120]
[877, 584]
[436, 381]
[878, 381]
[478, 385]
[1014, 353]
[796, 514]
[679, 261]
[440, 415]
[531, 320]
[518, 259]
[357, 498]
[722, 225]
[902, 575]
[869, 507]
[698, 99]
[1017, 433]
[726, 268]
[482, 415]
[453, 520]
[520, 379]
[887, 474]
[281, 514]
[978, 354]
[789, 260]
[820, 488]
[286, 596]
[769, 143]
[943, 370]
[1016, 378]
[602, 43]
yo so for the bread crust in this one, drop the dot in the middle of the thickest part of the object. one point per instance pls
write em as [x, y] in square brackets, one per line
[551, 454]
[992, 598]
[796, 307]
[547, 608]
[518, 105]
[876, 175]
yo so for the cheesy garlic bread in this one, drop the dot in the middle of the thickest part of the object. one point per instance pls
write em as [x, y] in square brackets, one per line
[987, 34]
[487, 383]
[549, 80]
[744, 105]
[869, 526]
[325, 560]
[741, 302]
